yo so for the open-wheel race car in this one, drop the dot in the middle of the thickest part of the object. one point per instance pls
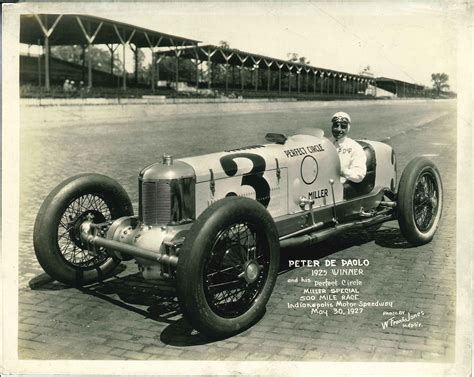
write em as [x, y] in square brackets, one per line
[215, 223]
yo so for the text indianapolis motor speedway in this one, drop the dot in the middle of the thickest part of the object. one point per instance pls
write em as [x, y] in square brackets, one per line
[325, 304]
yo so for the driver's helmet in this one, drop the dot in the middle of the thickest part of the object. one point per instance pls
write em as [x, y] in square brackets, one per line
[341, 117]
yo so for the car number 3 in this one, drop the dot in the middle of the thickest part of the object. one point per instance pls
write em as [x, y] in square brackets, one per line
[253, 178]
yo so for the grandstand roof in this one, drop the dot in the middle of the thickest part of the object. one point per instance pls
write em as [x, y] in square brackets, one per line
[385, 80]
[222, 55]
[76, 29]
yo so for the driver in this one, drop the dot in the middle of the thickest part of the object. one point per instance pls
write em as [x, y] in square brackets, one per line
[351, 153]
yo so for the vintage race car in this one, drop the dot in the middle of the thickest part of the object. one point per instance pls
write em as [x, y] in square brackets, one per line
[215, 223]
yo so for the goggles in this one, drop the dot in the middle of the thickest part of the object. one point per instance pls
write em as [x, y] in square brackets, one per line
[343, 123]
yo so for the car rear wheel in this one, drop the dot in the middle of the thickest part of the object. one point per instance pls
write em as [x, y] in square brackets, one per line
[227, 267]
[58, 246]
[420, 201]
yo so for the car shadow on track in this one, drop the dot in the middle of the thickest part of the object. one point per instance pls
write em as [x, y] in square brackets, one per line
[387, 236]
[157, 300]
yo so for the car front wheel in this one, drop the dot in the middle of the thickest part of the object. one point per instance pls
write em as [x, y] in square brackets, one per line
[228, 266]
[57, 241]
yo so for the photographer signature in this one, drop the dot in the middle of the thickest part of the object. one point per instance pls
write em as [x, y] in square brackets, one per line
[403, 319]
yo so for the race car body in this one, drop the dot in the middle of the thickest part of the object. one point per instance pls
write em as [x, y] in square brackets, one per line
[216, 222]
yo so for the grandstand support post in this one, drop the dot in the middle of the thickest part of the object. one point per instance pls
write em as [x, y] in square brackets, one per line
[280, 66]
[321, 79]
[112, 51]
[233, 76]
[307, 80]
[177, 71]
[124, 73]
[354, 87]
[90, 39]
[269, 73]
[289, 77]
[334, 85]
[137, 50]
[256, 66]
[298, 80]
[124, 42]
[209, 55]
[47, 33]
[83, 62]
[256, 78]
[153, 69]
[314, 81]
[135, 58]
[197, 74]
[375, 88]
[269, 79]
[279, 80]
[329, 74]
[39, 67]
[242, 61]
[209, 69]
[227, 76]
[227, 58]
[196, 55]
[89, 66]
[340, 89]
[47, 85]
[158, 68]
[177, 53]
[153, 47]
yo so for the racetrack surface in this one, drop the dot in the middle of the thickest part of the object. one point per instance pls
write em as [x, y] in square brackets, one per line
[128, 318]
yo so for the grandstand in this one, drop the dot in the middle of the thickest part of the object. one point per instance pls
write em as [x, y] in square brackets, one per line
[218, 70]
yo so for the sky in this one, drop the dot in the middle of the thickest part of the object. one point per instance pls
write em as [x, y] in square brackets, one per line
[406, 41]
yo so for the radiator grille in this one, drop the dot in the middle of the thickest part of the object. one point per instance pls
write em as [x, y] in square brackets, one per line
[155, 202]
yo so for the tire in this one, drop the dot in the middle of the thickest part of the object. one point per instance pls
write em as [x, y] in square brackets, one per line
[224, 280]
[419, 201]
[57, 244]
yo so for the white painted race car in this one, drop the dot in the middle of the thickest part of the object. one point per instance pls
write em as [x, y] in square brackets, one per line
[216, 222]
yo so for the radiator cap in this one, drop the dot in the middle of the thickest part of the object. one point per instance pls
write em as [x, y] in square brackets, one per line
[167, 169]
[167, 159]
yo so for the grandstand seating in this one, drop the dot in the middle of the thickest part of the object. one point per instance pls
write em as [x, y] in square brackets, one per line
[62, 70]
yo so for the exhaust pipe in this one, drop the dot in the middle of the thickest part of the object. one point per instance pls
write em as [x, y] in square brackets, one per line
[321, 235]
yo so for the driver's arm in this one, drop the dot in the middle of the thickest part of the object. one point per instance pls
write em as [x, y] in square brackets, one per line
[357, 168]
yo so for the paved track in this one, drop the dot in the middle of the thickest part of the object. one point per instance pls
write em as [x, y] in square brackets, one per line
[128, 318]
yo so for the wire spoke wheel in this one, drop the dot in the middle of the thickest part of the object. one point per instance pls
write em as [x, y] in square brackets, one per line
[236, 270]
[425, 201]
[71, 247]
[420, 201]
[57, 240]
[228, 266]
